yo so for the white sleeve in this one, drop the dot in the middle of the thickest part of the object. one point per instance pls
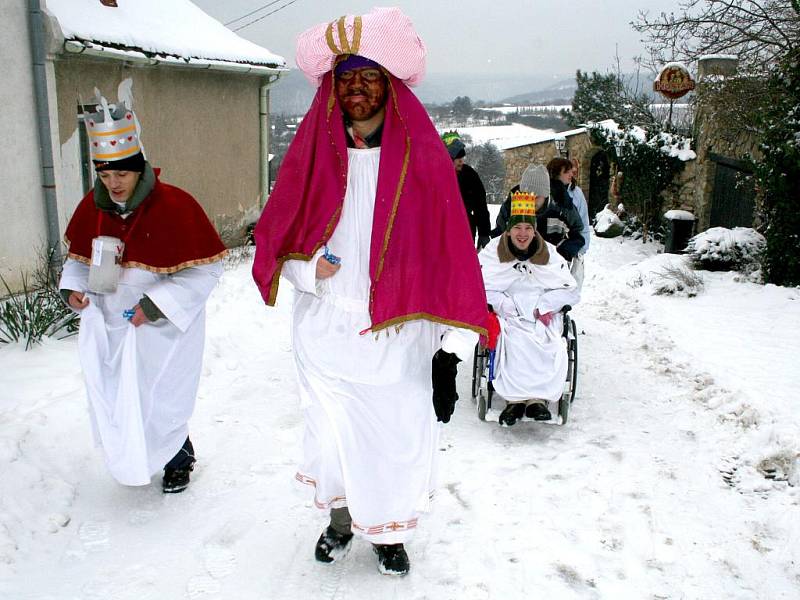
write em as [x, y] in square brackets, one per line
[502, 303]
[583, 211]
[181, 296]
[74, 276]
[460, 342]
[302, 274]
[555, 300]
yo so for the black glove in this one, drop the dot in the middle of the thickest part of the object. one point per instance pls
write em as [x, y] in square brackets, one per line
[483, 240]
[443, 375]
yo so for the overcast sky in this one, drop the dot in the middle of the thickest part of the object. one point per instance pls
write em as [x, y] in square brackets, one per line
[464, 36]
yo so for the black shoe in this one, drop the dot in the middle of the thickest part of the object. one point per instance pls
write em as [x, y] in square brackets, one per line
[176, 480]
[392, 559]
[512, 413]
[332, 545]
[538, 412]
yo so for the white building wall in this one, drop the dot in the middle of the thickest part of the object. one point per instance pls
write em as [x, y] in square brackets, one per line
[22, 216]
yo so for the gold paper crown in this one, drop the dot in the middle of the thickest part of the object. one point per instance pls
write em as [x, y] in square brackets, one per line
[523, 204]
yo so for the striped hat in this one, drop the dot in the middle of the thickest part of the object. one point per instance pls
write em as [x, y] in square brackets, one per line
[114, 137]
[383, 35]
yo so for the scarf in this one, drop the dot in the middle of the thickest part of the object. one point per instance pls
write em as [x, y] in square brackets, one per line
[423, 263]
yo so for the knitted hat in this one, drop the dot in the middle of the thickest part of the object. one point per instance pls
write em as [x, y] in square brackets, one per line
[535, 180]
[114, 134]
[455, 147]
[523, 209]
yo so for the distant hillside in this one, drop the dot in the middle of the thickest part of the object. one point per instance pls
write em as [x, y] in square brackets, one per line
[558, 93]
[292, 95]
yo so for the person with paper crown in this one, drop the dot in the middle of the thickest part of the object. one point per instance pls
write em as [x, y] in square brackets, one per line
[557, 219]
[367, 224]
[143, 259]
[471, 187]
[527, 284]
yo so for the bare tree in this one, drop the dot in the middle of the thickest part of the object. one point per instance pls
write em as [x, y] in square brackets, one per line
[759, 32]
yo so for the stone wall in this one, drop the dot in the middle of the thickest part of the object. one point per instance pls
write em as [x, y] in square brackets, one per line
[712, 136]
[517, 159]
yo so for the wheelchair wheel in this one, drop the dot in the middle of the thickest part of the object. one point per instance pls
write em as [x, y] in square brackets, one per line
[572, 350]
[478, 368]
[482, 405]
[563, 409]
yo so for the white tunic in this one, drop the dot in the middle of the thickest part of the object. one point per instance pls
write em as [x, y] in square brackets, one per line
[142, 381]
[371, 433]
[531, 357]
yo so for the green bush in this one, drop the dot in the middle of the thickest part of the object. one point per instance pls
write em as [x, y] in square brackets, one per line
[778, 175]
[35, 312]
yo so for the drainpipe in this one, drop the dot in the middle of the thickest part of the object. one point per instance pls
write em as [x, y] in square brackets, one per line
[265, 131]
[37, 35]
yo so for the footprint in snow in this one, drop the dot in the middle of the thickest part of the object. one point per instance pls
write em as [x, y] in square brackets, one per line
[219, 561]
[94, 535]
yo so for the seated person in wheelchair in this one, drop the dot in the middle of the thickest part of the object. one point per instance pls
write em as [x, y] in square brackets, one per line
[528, 283]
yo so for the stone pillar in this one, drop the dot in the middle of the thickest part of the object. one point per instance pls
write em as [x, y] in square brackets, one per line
[709, 68]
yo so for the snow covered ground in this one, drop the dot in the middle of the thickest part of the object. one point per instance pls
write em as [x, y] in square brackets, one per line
[657, 487]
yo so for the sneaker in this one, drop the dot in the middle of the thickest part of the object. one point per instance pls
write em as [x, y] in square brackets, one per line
[392, 559]
[176, 480]
[332, 545]
[538, 412]
[512, 413]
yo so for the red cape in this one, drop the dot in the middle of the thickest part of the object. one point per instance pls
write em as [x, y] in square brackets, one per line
[423, 263]
[167, 232]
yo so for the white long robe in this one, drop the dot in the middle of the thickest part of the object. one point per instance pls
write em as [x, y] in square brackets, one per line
[142, 381]
[531, 357]
[371, 434]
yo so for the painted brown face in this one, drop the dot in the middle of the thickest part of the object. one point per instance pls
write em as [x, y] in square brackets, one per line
[361, 92]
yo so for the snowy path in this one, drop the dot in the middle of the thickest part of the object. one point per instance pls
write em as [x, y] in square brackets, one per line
[644, 494]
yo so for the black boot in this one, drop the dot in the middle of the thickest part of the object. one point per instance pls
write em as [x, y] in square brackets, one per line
[512, 413]
[392, 559]
[176, 480]
[176, 471]
[538, 412]
[332, 545]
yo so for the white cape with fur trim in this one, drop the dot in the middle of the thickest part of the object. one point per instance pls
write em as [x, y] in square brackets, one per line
[531, 357]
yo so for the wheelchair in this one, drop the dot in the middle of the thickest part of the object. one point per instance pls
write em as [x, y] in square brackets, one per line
[483, 371]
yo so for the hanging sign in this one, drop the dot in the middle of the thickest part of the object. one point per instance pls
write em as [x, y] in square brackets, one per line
[674, 81]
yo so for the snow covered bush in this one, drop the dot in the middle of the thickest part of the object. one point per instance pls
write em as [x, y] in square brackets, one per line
[608, 224]
[674, 280]
[722, 249]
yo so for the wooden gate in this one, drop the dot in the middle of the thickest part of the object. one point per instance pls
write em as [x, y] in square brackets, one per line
[733, 197]
[599, 176]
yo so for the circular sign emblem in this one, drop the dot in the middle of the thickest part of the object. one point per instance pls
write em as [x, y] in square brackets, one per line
[674, 81]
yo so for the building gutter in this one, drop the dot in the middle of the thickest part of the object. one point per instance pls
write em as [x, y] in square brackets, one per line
[264, 130]
[36, 29]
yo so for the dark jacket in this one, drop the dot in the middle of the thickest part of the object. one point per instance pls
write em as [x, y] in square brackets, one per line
[474, 196]
[558, 222]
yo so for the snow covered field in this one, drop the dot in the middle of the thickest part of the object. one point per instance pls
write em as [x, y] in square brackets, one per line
[657, 488]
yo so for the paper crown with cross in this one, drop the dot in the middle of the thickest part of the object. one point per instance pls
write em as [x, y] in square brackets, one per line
[523, 209]
[113, 132]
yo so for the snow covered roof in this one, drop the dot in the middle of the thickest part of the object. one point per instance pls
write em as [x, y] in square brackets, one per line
[174, 30]
[506, 136]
